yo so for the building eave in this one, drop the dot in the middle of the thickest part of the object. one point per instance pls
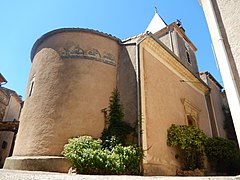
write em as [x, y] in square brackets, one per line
[10, 93]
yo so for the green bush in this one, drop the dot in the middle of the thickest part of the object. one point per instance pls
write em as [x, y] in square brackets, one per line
[85, 154]
[89, 157]
[129, 158]
[189, 141]
[223, 155]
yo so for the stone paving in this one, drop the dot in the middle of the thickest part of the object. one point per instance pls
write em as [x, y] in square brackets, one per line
[38, 175]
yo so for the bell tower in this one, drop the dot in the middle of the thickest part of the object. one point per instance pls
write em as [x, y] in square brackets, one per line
[173, 36]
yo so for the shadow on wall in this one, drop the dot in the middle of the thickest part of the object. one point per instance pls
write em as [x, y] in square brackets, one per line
[127, 83]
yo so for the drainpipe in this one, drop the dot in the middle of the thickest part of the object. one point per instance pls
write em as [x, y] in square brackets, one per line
[139, 116]
[224, 65]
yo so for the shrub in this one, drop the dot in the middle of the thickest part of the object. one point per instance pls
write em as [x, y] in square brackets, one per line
[89, 157]
[189, 141]
[129, 158]
[85, 154]
[223, 155]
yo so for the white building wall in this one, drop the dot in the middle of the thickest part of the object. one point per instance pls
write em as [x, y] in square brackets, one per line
[224, 23]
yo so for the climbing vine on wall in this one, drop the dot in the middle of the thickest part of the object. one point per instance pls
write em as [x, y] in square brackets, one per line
[114, 115]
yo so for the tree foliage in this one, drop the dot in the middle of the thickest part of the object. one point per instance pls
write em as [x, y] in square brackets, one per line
[189, 140]
[223, 155]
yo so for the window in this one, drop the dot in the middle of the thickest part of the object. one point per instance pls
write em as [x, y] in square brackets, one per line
[4, 144]
[187, 52]
[31, 88]
[188, 57]
[191, 121]
[191, 113]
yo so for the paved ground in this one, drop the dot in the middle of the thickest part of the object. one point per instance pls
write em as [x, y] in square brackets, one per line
[37, 175]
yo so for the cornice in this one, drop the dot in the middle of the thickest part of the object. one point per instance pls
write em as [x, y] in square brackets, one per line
[172, 62]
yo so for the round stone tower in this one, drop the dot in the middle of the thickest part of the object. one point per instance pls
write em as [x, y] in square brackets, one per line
[73, 74]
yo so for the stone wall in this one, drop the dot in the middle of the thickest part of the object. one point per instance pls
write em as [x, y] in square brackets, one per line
[4, 99]
[10, 104]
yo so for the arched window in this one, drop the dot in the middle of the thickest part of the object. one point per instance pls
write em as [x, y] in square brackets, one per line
[188, 57]
[187, 53]
[191, 113]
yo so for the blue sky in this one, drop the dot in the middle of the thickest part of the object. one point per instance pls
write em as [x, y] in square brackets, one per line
[23, 22]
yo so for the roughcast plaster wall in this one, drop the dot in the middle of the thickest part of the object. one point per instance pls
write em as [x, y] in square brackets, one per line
[71, 80]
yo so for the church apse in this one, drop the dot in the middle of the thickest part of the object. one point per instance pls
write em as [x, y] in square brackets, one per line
[73, 74]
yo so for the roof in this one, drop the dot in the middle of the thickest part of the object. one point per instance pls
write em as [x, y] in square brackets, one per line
[209, 75]
[62, 30]
[10, 92]
[156, 24]
[133, 39]
[2, 79]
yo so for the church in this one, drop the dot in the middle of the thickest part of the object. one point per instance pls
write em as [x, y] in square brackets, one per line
[73, 73]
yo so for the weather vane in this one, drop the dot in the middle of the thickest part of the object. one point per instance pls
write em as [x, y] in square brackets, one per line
[156, 10]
